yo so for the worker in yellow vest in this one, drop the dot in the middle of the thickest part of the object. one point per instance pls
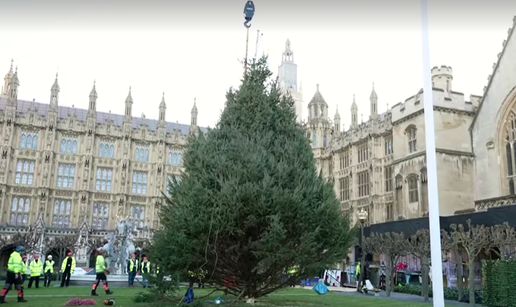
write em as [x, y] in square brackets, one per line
[36, 267]
[67, 268]
[292, 276]
[101, 271]
[14, 275]
[357, 272]
[132, 267]
[24, 269]
[48, 270]
[145, 269]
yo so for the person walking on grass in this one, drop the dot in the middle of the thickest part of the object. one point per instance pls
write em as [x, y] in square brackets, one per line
[67, 267]
[14, 276]
[145, 269]
[36, 267]
[102, 272]
[48, 270]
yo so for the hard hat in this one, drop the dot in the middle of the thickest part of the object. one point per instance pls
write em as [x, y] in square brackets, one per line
[19, 249]
[49, 257]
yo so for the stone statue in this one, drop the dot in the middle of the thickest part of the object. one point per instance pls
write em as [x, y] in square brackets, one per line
[109, 248]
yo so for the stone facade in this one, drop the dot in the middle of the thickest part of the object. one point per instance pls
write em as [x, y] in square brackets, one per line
[380, 164]
[71, 171]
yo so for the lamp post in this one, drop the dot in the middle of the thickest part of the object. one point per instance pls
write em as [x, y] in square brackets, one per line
[431, 162]
[362, 217]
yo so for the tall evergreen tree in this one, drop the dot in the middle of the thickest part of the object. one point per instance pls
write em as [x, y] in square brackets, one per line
[250, 204]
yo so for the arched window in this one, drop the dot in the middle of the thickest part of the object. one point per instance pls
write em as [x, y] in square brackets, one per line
[324, 140]
[411, 133]
[314, 139]
[510, 151]
[413, 189]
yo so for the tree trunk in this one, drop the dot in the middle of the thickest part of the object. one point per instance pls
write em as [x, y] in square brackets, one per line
[459, 274]
[471, 279]
[388, 279]
[424, 277]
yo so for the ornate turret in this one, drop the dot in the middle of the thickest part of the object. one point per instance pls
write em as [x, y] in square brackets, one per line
[373, 99]
[336, 120]
[12, 95]
[287, 79]
[54, 94]
[193, 121]
[317, 108]
[7, 80]
[93, 99]
[354, 114]
[442, 78]
[128, 116]
[162, 109]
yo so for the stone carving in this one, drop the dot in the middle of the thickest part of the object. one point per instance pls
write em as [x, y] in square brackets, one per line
[120, 244]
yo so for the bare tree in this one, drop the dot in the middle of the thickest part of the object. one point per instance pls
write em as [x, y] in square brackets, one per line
[393, 245]
[25, 239]
[503, 237]
[419, 246]
[473, 240]
[450, 245]
[61, 245]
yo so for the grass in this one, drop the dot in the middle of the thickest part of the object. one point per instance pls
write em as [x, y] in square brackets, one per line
[124, 298]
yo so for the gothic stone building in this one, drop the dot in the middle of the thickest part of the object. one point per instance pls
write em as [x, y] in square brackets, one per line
[379, 165]
[76, 172]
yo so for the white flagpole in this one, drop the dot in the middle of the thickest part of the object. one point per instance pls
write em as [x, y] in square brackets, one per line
[431, 165]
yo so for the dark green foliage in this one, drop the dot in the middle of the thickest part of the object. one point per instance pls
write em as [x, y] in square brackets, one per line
[451, 294]
[160, 290]
[498, 280]
[250, 204]
[144, 297]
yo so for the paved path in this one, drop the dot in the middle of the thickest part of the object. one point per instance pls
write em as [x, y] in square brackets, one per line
[395, 296]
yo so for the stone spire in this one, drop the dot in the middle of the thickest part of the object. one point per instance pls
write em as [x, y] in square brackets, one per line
[93, 98]
[336, 120]
[288, 55]
[162, 108]
[193, 121]
[7, 80]
[12, 97]
[54, 94]
[354, 113]
[129, 105]
[373, 99]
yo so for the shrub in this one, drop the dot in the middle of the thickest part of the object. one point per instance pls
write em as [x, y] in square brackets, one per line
[144, 297]
[499, 277]
[451, 294]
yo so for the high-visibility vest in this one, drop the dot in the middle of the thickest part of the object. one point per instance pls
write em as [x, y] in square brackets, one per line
[100, 264]
[145, 267]
[63, 265]
[15, 263]
[357, 268]
[292, 270]
[35, 266]
[132, 264]
[49, 266]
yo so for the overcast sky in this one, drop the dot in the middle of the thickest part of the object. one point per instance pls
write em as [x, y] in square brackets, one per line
[192, 49]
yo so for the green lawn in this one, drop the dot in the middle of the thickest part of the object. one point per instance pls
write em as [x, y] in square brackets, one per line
[124, 298]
